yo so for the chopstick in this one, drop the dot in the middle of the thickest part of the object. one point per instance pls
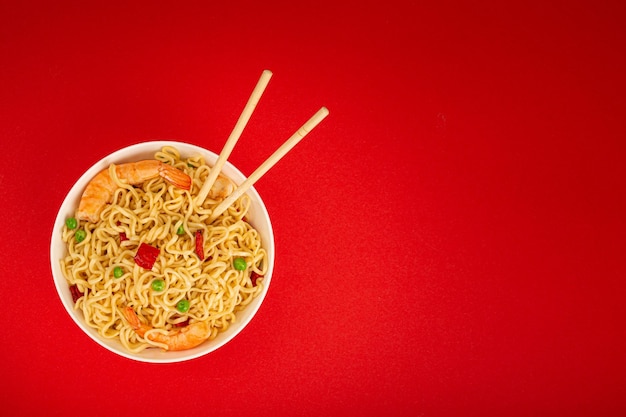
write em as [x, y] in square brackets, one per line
[270, 162]
[234, 136]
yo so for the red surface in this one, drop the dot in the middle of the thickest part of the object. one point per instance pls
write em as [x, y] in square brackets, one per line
[450, 239]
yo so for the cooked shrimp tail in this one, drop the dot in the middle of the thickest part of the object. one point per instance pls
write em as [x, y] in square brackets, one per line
[187, 337]
[141, 171]
[100, 189]
[139, 327]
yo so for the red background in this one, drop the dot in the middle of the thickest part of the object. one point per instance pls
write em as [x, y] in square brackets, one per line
[450, 239]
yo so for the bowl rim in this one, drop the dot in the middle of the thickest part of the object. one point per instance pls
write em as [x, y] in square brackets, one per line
[57, 251]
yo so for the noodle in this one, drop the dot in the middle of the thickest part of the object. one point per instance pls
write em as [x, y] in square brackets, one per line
[152, 213]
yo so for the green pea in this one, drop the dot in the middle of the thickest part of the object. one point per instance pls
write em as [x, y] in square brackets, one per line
[181, 230]
[158, 285]
[71, 223]
[240, 264]
[118, 272]
[183, 306]
[80, 235]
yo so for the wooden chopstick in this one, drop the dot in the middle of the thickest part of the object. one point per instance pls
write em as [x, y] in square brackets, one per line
[270, 162]
[234, 136]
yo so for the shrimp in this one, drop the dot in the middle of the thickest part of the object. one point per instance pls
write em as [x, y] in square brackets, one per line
[100, 189]
[222, 188]
[186, 338]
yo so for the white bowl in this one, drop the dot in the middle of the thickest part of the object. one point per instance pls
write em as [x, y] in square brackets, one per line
[257, 216]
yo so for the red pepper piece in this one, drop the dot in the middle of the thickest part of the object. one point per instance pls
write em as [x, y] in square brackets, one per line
[182, 324]
[123, 236]
[199, 245]
[146, 256]
[253, 278]
[76, 294]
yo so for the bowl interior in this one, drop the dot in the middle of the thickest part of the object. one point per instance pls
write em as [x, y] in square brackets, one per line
[257, 216]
